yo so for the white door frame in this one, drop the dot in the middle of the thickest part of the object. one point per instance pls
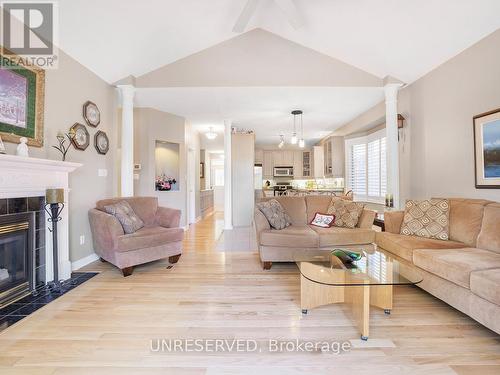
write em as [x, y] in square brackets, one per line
[191, 185]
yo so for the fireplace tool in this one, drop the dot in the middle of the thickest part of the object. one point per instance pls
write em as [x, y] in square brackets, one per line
[54, 204]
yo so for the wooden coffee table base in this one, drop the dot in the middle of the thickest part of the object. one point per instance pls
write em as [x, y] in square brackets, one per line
[358, 297]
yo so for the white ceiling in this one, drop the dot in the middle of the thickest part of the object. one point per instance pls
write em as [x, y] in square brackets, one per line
[401, 38]
[264, 110]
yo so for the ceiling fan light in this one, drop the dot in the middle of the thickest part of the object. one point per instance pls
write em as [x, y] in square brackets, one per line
[302, 143]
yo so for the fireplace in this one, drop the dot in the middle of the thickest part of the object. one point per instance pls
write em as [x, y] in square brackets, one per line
[17, 238]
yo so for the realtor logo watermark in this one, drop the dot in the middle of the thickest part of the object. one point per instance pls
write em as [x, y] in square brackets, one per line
[29, 34]
[247, 346]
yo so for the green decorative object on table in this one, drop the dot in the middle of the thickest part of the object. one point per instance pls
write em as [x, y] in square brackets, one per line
[346, 256]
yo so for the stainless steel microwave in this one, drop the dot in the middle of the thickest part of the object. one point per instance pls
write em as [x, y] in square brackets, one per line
[283, 172]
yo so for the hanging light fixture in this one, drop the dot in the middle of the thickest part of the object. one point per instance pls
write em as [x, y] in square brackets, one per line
[211, 134]
[282, 141]
[296, 113]
[294, 139]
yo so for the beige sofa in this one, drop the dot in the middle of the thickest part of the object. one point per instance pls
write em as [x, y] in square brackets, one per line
[302, 241]
[160, 237]
[464, 271]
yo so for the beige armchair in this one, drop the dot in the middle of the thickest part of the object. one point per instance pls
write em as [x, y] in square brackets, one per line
[160, 237]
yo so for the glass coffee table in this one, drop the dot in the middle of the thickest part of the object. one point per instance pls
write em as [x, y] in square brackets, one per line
[361, 284]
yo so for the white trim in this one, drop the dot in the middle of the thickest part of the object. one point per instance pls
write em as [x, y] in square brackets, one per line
[76, 265]
[228, 193]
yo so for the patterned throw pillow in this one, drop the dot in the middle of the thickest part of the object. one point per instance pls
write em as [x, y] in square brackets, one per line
[323, 220]
[275, 214]
[126, 216]
[427, 218]
[346, 212]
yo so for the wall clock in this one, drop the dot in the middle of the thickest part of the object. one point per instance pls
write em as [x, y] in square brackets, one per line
[81, 138]
[101, 142]
[91, 114]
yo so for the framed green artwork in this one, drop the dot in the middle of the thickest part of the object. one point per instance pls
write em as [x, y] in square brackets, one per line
[22, 90]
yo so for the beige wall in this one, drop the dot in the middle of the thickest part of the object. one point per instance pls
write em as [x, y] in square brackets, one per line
[256, 58]
[442, 105]
[151, 125]
[437, 146]
[66, 89]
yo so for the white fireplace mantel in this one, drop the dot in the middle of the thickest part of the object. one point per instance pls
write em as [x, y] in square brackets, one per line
[30, 177]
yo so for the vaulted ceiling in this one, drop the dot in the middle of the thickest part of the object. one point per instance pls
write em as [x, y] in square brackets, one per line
[402, 38]
[189, 61]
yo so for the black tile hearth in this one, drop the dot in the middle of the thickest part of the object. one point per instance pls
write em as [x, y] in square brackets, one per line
[29, 304]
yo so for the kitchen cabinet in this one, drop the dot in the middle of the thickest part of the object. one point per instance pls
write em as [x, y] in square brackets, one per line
[259, 156]
[318, 162]
[278, 159]
[300, 160]
[283, 158]
[334, 157]
[297, 164]
[267, 164]
[288, 158]
[306, 161]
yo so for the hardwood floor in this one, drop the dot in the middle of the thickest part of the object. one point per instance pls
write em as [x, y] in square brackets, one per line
[106, 325]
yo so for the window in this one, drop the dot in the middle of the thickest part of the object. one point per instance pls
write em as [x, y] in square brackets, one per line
[217, 172]
[219, 176]
[366, 167]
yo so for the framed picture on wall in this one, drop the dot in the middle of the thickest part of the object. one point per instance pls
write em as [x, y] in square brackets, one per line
[487, 150]
[21, 102]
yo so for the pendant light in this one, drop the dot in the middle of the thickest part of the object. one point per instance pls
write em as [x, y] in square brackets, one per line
[211, 134]
[294, 139]
[282, 141]
[296, 113]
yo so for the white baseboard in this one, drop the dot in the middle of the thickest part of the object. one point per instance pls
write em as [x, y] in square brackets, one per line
[84, 261]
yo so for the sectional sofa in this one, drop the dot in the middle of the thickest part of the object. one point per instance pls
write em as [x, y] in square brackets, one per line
[302, 241]
[464, 271]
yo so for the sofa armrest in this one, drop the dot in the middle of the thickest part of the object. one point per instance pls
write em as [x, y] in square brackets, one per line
[105, 230]
[260, 223]
[393, 221]
[366, 219]
[168, 217]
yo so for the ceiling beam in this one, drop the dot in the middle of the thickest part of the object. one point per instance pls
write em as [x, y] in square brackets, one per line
[245, 16]
[292, 13]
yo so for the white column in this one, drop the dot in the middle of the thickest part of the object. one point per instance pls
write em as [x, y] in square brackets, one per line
[228, 192]
[391, 126]
[127, 144]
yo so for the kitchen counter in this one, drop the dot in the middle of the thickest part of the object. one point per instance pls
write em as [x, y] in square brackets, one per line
[320, 190]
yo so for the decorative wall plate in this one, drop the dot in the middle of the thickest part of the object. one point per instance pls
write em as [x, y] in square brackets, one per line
[91, 114]
[81, 139]
[101, 142]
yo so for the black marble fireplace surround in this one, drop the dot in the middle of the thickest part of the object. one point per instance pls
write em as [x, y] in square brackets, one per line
[29, 209]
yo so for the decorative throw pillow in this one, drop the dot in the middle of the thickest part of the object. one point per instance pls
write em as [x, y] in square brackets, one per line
[323, 220]
[428, 218]
[346, 212]
[126, 216]
[275, 214]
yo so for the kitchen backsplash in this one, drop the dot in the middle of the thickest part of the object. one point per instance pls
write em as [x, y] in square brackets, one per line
[326, 183]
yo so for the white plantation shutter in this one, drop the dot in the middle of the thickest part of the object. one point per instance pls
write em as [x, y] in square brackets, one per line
[366, 167]
[383, 167]
[358, 169]
[374, 168]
